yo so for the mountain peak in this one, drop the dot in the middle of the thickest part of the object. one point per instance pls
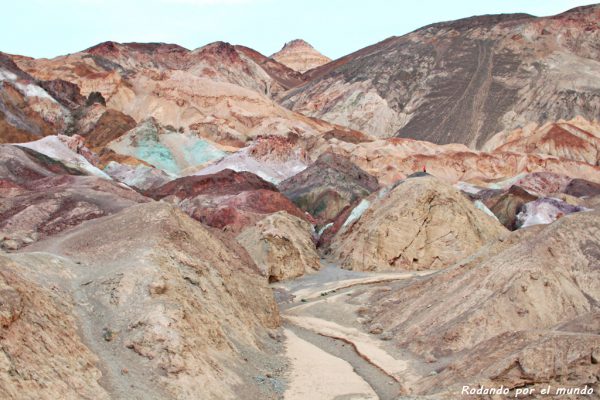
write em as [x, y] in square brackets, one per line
[299, 55]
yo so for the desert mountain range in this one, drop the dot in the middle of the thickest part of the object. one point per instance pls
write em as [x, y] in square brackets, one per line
[415, 217]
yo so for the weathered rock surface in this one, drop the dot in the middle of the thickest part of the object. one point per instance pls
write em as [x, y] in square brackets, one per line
[420, 223]
[43, 352]
[327, 186]
[21, 165]
[273, 158]
[47, 206]
[140, 177]
[498, 317]
[218, 91]
[69, 151]
[167, 302]
[282, 246]
[27, 110]
[164, 148]
[393, 159]
[110, 125]
[300, 56]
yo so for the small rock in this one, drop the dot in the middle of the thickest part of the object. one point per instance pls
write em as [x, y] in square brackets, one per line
[387, 335]
[108, 334]
[124, 371]
[376, 329]
[275, 335]
[596, 356]
[158, 286]
[430, 358]
[11, 244]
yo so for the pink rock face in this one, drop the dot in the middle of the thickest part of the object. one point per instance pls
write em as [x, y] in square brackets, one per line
[577, 140]
[48, 206]
[393, 159]
[273, 158]
[300, 56]
[544, 183]
[225, 182]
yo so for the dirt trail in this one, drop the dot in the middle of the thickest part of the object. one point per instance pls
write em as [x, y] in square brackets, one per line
[317, 310]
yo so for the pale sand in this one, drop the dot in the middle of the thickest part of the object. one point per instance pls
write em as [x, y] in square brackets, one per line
[366, 345]
[317, 375]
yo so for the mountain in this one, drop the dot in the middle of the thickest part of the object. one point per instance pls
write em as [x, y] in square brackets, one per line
[213, 222]
[218, 91]
[463, 81]
[300, 56]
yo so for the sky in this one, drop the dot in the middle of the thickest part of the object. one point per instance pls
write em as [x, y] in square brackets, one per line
[48, 28]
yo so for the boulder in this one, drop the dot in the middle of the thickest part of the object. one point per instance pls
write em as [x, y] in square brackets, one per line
[282, 246]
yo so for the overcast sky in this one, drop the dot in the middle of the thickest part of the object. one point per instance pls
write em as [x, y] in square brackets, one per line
[47, 28]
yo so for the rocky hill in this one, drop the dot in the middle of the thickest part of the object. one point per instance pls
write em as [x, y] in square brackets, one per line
[463, 81]
[300, 56]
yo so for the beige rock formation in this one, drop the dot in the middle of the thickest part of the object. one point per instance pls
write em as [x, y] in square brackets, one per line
[168, 302]
[281, 245]
[420, 223]
[300, 56]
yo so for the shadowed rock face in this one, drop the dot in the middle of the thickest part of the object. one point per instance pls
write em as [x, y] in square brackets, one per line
[111, 125]
[463, 81]
[329, 185]
[510, 204]
[581, 188]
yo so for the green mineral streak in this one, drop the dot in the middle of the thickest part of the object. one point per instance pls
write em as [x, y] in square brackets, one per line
[201, 152]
